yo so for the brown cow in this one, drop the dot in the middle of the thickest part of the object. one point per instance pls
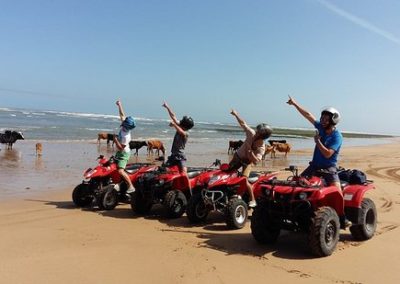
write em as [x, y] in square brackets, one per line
[155, 145]
[282, 147]
[234, 145]
[269, 149]
[105, 136]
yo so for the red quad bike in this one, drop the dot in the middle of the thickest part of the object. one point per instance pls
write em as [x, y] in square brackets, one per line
[225, 191]
[308, 205]
[167, 186]
[99, 182]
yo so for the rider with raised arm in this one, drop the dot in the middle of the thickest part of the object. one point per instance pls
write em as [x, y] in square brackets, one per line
[178, 156]
[328, 141]
[122, 142]
[251, 151]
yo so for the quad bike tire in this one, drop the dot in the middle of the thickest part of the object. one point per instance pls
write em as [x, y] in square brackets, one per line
[108, 199]
[140, 204]
[236, 213]
[175, 203]
[197, 210]
[366, 229]
[81, 196]
[264, 228]
[324, 232]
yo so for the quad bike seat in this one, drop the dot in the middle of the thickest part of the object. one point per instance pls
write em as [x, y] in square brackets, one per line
[193, 174]
[131, 168]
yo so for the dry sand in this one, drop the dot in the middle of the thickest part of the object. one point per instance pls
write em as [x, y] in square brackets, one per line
[45, 239]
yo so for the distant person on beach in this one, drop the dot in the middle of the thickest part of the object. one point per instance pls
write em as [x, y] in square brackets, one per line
[178, 156]
[122, 142]
[328, 141]
[251, 151]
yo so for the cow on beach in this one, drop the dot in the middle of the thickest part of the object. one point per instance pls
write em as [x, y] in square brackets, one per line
[234, 145]
[136, 145]
[105, 136]
[272, 142]
[281, 147]
[269, 149]
[155, 145]
[10, 137]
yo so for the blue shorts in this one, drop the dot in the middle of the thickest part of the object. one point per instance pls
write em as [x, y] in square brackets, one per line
[179, 161]
[329, 174]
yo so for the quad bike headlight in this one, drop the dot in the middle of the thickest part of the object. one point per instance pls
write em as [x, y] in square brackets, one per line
[90, 172]
[214, 179]
[302, 196]
[348, 196]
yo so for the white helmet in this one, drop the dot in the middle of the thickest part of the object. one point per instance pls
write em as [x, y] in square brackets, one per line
[335, 114]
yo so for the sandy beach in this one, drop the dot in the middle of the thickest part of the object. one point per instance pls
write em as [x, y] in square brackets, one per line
[44, 238]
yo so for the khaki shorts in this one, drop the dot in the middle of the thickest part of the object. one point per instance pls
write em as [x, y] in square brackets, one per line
[122, 159]
[236, 163]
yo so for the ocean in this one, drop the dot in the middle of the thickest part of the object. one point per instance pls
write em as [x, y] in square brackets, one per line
[47, 125]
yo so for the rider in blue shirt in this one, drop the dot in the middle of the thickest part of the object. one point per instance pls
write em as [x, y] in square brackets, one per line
[328, 141]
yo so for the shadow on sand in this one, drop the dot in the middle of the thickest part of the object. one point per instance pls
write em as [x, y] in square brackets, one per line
[213, 234]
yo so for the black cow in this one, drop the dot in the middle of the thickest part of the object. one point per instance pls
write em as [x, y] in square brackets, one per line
[272, 142]
[234, 145]
[9, 137]
[137, 145]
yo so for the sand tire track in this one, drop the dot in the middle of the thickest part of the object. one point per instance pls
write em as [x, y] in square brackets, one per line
[387, 204]
[393, 174]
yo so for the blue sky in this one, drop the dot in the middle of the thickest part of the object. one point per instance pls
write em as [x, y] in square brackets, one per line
[206, 57]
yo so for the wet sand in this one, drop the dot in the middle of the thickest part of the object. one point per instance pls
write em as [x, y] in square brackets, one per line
[63, 163]
[44, 238]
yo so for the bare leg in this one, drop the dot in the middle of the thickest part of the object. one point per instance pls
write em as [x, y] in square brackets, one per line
[125, 177]
[250, 190]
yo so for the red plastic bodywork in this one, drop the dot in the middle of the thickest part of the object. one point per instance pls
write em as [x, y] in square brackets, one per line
[105, 169]
[234, 179]
[180, 180]
[319, 195]
[353, 194]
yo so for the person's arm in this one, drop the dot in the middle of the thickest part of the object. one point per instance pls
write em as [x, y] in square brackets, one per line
[309, 116]
[253, 157]
[178, 128]
[328, 150]
[118, 143]
[241, 122]
[171, 114]
[120, 110]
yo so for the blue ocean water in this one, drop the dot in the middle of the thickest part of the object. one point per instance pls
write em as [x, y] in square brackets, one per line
[47, 125]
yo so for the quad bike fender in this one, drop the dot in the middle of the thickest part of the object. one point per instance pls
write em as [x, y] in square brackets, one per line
[181, 183]
[239, 183]
[257, 190]
[354, 194]
[135, 176]
[330, 196]
[116, 177]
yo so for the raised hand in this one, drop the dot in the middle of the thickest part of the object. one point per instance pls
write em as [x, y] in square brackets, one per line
[291, 101]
